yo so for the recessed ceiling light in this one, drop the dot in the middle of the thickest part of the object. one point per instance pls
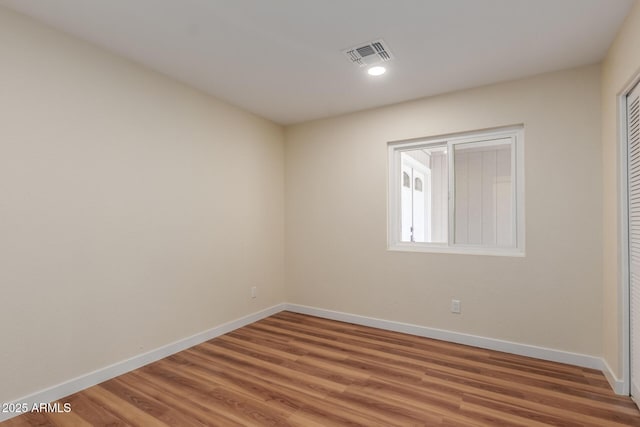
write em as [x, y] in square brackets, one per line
[376, 71]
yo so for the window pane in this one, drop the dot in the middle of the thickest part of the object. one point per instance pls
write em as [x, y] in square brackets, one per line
[484, 193]
[424, 196]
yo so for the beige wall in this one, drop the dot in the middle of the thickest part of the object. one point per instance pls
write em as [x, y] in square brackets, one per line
[134, 211]
[620, 66]
[336, 203]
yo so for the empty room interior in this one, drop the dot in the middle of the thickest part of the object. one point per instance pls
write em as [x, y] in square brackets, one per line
[305, 212]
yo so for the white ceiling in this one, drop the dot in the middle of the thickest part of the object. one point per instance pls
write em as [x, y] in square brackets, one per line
[281, 59]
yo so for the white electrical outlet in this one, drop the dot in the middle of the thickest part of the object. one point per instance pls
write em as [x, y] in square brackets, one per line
[455, 306]
[254, 291]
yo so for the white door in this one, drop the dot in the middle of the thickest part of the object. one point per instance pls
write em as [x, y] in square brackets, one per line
[421, 204]
[415, 197]
[418, 206]
[406, 196]
[633, 155]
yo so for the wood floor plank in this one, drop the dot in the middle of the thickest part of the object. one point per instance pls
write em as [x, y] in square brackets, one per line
[307, 406]
[197, 410]
[118, 404]
[440, 406]
[487, 383]
[242, 409]
[532, 410]
[403, 354]
[298, 370]
[582, 412]
[93, 413]
[259, 348]
[150, 404]
[293, 372]
[70, 419]
[28, 420]
[258, 372]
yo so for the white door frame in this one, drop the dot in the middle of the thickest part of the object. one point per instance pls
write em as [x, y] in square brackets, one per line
[623, 232]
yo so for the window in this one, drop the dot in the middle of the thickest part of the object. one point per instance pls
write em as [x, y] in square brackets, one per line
[459, 194]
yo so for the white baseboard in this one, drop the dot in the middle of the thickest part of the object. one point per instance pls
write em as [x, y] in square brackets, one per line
[96, 377]
[456, 337]
[90, 379]
[619, 386]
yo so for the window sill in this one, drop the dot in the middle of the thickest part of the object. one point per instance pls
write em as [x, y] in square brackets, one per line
[461, 250]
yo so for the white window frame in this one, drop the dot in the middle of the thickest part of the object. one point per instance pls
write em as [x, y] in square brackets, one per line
[511, 135]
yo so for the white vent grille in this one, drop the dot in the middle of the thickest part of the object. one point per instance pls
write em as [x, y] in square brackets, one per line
[367, 54]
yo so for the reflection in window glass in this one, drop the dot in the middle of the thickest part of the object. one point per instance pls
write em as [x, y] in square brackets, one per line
[424, 207]
[484, 194]
[406, 180]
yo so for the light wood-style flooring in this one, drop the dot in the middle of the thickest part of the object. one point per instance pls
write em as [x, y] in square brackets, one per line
[292, 369]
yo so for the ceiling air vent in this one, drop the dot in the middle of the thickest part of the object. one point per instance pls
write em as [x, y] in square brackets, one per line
[367, 54]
